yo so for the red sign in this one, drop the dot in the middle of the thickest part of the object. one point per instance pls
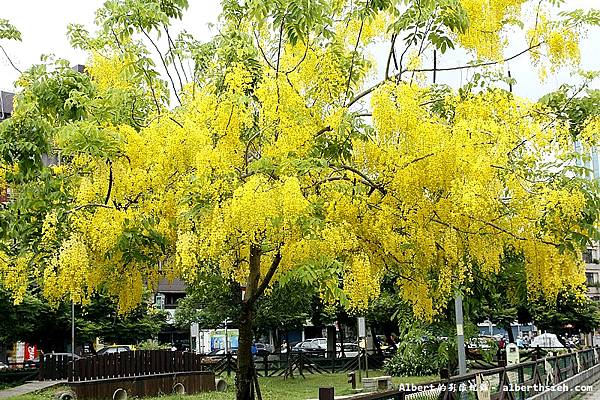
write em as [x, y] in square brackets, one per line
[31, 352]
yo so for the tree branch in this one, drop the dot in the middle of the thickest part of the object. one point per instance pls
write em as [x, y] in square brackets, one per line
[268, 276]
[391, 55]
[262, 51]
[110, 182]
[164, 63]
[368, 180]
[483, 64]
[362, 24]
[10, 60]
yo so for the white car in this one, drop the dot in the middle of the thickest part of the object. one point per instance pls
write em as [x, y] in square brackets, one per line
[3, 366]
[317, 343]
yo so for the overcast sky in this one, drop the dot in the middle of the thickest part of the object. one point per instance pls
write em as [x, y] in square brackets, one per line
[43, 25]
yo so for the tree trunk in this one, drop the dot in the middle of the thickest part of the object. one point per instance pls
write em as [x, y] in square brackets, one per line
[342, 338]
[244, 378]
[509, 331]
[376, 342]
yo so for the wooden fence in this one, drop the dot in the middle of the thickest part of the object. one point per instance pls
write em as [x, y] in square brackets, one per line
[152, 362]
[119, 365]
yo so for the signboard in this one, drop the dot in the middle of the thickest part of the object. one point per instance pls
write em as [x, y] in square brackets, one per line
[218, 337]
[512, 354]
[31, 352]
[194, 329]
[25, 352]
[362, 329]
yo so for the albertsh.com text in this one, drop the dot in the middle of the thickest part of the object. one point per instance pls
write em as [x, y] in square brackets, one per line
[473, 387]
[545, 388]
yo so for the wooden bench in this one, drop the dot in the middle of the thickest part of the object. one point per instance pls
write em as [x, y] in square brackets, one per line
[377, 383]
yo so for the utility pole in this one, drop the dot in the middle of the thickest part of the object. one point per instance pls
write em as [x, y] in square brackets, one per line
[72, 338]
[460, 338]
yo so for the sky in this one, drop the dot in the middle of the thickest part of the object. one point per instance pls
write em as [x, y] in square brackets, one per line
[44, 24]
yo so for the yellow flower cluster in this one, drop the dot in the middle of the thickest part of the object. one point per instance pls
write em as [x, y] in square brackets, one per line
[487, 20]
[69, 273]
[108, 72]
[361, 282]
[230, 174]
[560, 41]
[14, 275]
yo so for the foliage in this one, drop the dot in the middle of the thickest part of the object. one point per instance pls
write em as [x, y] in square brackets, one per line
[574, 312]
[212, 300]
[267, 172]
[9, 31]
[291, 181]
[34, 321]
[416, 355]
[209, 302]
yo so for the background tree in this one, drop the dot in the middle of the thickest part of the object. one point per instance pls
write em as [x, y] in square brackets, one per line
[571, 314]
[212, 300]
[35, 321]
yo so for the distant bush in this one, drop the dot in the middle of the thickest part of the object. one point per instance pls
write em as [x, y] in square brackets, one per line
[153, 345]
[417, 355]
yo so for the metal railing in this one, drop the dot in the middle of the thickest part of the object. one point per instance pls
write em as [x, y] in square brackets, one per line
[518, 382]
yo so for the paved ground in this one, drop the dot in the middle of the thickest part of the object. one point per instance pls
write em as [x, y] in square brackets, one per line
[28, 387]
[595, 395]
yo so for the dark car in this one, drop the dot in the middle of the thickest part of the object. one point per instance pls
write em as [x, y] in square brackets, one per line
[262, 349]
[311, 347]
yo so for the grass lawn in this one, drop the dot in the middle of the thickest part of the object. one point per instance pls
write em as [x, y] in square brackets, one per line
[274, 388]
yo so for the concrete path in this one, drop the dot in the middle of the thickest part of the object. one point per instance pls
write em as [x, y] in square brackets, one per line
[595, 395]
[28, 387]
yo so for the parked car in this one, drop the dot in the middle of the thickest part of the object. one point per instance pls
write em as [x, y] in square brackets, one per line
[319, 343]
[262, 349]
[68, 355]
[3, 366]
[350, 350]
[218, 355]
[117, 348]
[316, 347]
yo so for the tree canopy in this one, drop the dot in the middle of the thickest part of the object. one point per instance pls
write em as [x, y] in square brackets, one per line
[287, 156]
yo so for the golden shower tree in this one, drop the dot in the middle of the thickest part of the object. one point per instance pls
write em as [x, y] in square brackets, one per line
[281, 149]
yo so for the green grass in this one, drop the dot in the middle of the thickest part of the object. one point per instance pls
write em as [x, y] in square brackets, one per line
[273, 388]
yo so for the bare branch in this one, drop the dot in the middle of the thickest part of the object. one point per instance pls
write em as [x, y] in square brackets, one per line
[470, 66]
[262, 51]
[362, 24]
[368, 180]
[391, 55]
[164, 63]
[10, 60]
[110, 182]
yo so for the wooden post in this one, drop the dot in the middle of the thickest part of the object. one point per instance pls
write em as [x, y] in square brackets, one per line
[444, 373]
[266, 364]
[326, 393]
[521, 381]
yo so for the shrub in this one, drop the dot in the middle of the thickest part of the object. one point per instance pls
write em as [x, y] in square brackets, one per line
[416, 355]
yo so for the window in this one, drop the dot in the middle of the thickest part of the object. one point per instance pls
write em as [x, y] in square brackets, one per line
[589, 277]
[587, 256]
